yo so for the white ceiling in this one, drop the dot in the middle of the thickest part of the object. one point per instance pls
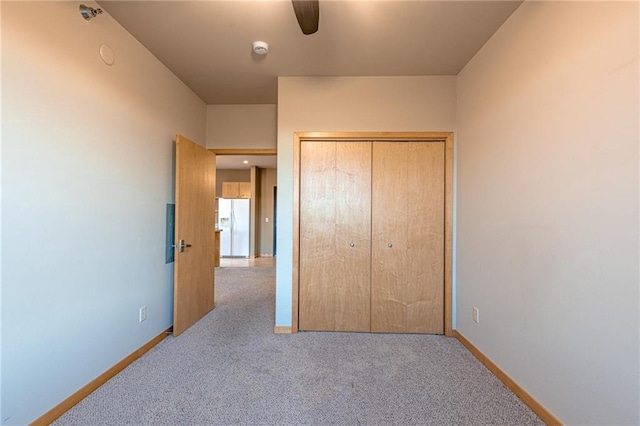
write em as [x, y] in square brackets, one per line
[207, 44]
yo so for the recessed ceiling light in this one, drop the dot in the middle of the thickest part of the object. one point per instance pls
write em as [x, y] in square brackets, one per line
[245, 162]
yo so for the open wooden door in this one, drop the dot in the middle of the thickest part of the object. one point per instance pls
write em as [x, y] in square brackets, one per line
[193, 285]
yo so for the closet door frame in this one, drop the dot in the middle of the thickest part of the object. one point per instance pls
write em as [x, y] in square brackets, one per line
[446, 137]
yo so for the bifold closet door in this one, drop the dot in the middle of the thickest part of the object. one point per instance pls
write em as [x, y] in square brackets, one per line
[335, 236]
[407, 283]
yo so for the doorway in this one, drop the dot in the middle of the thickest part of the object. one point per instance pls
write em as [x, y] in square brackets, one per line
[258, 168]
[255, 169]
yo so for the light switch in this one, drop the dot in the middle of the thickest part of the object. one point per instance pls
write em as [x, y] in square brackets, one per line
[266, 219]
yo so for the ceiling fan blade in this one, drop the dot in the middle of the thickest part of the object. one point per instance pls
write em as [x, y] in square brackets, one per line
[308, 15]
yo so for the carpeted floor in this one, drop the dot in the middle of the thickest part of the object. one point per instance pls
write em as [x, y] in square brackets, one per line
[230, 368]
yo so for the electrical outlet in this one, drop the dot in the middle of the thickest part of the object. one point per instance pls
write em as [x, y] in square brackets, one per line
[143, 313]
[476, 314]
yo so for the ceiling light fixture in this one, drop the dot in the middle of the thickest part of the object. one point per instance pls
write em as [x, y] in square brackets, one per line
[245, 162]
[260, 48]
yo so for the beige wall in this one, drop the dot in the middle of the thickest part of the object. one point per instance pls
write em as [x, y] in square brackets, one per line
[547, 212]
[347, 104]
[87, 171]
[241, 126]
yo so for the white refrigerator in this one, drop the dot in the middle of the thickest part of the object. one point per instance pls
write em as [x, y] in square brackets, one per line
[234, 220]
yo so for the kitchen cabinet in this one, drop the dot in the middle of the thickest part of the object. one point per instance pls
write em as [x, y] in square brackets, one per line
[236, 189]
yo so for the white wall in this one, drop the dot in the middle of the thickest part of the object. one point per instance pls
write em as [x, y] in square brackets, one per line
[87, 158]
[547, 243]
[347, 104]
[241, 126]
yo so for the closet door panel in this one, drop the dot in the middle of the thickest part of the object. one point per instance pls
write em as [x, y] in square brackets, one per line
[335, 236]
[407, 283]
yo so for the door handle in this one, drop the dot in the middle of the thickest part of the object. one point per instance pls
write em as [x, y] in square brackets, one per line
[181, 246]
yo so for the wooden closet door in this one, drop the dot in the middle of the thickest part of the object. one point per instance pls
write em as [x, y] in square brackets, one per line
[407, 283]
[335, 236]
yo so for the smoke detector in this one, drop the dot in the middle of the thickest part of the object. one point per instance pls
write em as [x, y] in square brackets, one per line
[260, 48]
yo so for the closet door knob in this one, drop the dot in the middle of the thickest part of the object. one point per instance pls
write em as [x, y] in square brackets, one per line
[352, 245]
[389, 245]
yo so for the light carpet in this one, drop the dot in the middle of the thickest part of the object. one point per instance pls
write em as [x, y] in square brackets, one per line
[230, 368]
